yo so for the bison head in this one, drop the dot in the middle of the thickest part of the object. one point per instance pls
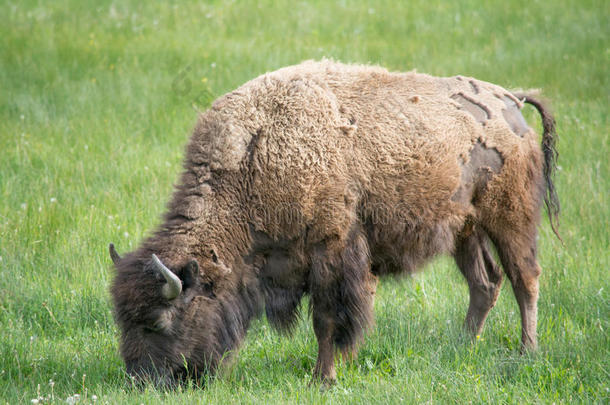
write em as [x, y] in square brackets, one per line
[168, 318]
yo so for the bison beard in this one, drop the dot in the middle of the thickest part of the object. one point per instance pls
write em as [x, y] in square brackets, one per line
[317, 179]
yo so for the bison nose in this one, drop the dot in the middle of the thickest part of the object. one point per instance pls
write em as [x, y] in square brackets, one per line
[147, 373]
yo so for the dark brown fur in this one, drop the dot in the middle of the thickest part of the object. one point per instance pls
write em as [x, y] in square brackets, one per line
[317, 179]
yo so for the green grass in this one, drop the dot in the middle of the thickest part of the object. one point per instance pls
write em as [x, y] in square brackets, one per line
[97, 100]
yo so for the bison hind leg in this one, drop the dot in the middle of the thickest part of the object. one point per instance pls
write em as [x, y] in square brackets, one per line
[484, 276]
[517, 251]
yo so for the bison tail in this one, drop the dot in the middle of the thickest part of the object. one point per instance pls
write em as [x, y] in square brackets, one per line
[549, 139]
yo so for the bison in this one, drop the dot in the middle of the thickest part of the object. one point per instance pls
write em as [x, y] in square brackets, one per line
[316, 180]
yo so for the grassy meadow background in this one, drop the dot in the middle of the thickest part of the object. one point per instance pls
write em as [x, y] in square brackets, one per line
[97, 99]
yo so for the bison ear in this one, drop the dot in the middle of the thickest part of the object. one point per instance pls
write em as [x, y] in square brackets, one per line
[114, 255]
[190, 274]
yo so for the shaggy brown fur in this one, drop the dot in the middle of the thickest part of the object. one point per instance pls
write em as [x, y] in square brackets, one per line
[317, 178]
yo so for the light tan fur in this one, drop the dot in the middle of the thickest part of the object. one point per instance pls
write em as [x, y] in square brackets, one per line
[326, 137]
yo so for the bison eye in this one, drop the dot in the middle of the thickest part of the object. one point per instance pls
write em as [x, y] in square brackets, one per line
[152, 329]
[208, 289]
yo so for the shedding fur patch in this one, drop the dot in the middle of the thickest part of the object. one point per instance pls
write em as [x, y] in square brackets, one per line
[513, 117]
[482, 165]
[475, 87]
[478, 111]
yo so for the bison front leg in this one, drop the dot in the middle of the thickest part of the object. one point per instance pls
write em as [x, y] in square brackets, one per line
[342, 292]
[324, 329]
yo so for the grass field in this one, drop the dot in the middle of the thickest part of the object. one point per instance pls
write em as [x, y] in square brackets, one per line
[97, 100]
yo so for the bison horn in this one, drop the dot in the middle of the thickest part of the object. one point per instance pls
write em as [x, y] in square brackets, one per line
[173, 288]
[114, 255]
